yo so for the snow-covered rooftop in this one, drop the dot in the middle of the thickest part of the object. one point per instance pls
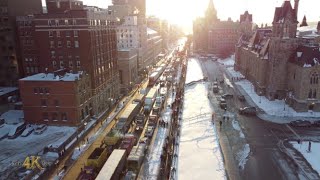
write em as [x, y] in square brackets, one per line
[13, 116]
[53, 77]
[151, 31]
[6, 90]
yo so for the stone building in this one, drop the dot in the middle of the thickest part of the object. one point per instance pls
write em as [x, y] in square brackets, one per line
[58, 98]
[213, 36]
[279, 64]
[128, 69]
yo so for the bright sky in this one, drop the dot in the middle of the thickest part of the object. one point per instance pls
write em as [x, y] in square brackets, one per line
[182, 12]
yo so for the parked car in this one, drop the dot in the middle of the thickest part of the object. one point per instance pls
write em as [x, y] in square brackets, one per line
[223, 103]
[40, 129]
[241, 98]
[316, 123]
[215, 83]
[227, 96]
[300, 123]
[149, 132]
[248, 111]
[17, 130]
[27, 131]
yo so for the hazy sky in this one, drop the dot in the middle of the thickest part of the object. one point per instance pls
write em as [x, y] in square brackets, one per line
[184, 11]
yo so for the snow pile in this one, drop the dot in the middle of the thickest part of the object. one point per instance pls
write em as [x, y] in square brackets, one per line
[194, 71]
[199, 154]
[227, 62]
[77, 152]
[312, 157]
[236, 126]
[243, 155]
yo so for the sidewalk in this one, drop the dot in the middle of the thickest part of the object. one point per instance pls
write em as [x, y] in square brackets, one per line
[275, 111]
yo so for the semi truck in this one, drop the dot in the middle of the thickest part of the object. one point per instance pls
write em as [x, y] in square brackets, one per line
[149, 100]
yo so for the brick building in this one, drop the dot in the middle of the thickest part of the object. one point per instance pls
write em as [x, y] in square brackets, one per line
[281, 65]
[10, 60]
[57, 98]
[78, 38]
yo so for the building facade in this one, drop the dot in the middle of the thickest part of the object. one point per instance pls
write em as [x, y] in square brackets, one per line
[213, 36]
[10, 60]
[78, 38]
[128, 68]
[279, 64]
[58, 98]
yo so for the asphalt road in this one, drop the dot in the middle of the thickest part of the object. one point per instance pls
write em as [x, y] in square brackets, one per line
[266, 161]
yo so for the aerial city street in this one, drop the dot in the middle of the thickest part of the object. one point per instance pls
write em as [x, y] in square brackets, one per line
[159, 90]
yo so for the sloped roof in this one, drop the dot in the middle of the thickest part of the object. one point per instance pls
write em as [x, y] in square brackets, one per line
[306, 56]
[282, 12]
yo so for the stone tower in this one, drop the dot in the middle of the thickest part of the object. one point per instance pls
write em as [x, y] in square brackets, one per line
[211, 13]
[283, 42]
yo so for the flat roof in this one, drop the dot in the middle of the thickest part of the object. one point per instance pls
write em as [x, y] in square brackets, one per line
[52, 77]
[136, 152]
[111, 165]
[151, 93]
[6, 90]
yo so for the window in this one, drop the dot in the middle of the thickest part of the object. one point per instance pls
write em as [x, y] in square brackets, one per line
[28, 70]
[310, 94]
[315, 94]
[58, 4]
[45, 116]
[70, 64]
[61, 64]
[75, 33]
[59, 44]
[78, 64]
[67, 33]
[54, 64]
[68, 44]
[64, 116]
[36, 90]
[74, 22]
[51, 44]
[66, 22]
[76, 44]
[57, 22]
[55, 116]
[49, 23]
[43, 102]
[50, 34]
[58, 33]
[56, 103]
[46, 90]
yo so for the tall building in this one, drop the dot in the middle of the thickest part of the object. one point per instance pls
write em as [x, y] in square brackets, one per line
[10, 60]
[78, 38]
[211, 35]
[281, 65]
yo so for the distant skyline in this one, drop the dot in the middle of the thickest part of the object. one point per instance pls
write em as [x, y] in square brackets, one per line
[183, 12]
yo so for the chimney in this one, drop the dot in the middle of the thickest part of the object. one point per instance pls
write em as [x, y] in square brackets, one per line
[296, 7]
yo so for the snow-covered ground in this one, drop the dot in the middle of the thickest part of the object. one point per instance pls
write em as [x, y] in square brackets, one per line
[199, 151]
[243, 155]
[16, 150]
[312, 157]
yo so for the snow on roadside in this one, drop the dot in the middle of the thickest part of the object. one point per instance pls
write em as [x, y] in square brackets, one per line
[312, 157]
[243, 155]
[227, 62]
[236, 126]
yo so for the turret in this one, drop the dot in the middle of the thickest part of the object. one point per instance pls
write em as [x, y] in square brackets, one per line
[304, 22]
[296, 7]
